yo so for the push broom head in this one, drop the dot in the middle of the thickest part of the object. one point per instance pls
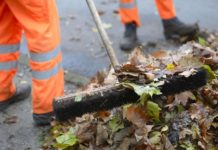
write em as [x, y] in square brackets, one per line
[107, 98]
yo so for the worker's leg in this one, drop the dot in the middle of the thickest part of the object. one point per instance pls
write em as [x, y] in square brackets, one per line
[10, 35]
[129, 12]
[173, 27]
[166, 9]
[40, 21]
[130, 18]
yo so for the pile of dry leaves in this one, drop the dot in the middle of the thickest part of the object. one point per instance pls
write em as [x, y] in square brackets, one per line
[188, 120]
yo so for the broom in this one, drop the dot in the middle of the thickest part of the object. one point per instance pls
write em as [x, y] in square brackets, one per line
[109, 97]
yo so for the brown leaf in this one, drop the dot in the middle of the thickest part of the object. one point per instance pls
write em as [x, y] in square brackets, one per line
[116, 11]
[150, 76]
[205, 124]
[120, 135]
[142, 133]
[137, 57]
[136, 115]
[202, 145]
[198, 111]
[184, 97]
[128, 67]
[11, 120]
[206, 54]
[104, 115]
[100, 12]
[170, 99]
[125, 144]
[159, 54]
[101, 135]
[188, 61]
[181, 98]
[166, 142]
[85, 132]
[210, 93]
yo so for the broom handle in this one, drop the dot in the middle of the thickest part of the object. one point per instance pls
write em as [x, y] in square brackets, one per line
[104, 37]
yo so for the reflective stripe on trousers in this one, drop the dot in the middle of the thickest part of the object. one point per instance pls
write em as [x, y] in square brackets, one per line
[129, 12]
[41, 59]
[128, 5]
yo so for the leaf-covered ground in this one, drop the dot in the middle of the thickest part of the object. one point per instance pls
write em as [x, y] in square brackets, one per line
[188, 120]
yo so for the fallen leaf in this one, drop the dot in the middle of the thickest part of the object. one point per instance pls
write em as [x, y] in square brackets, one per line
[85, 131]
[137, 57]
[136, 115]
[187, 145]
[165, 128]
[104, 115]
[159, 54]
[184, 133]
[195, 131]
[100, 12]
[202, 41]
[101, 135]
[143, 89]
[169, 115]
[66, 140]
[125, 144]
[183, 97]
[120, 135]
[166, 142]
[131, 68]
[153, 110]
[140, 134]
[155, 137]
[11, 120]
[210, 73]
[116, 11]
[115, 124]
[188, 73]
[188, 61]
[105, 26]
[198, 111]
[170, 67]
[78, 98]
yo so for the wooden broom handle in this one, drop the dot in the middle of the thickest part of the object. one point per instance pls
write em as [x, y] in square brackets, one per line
[104, 37]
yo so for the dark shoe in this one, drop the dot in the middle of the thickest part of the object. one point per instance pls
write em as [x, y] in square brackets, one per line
[174, 29]
[130, 39]
[23, 91]
[43, 119]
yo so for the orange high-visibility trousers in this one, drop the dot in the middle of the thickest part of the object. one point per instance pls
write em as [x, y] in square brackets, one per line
[129, 10]
[40, 22]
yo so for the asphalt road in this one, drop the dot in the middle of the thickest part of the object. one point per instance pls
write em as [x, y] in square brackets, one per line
[82, 48]
[83, 52]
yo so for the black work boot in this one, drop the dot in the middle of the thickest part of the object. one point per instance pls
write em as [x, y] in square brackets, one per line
[43, 119]
[130, 39]
[174, 29]
[23, 91]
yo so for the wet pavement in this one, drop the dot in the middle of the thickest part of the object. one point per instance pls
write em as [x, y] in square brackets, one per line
[83, 49]
[84, 54]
